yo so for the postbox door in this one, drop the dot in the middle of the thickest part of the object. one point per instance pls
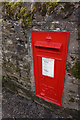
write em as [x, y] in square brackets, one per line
[49, 77]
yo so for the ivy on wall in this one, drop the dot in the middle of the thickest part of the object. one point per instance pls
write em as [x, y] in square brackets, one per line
[18, 12]
[75, 70]
[46, 7]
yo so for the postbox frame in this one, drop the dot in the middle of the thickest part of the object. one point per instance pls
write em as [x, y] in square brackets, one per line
[34, 67]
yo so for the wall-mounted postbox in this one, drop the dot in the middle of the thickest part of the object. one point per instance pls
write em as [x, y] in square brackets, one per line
[49, 62]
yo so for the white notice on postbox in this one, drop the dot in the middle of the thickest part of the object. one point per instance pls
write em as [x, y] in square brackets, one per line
[48, 67]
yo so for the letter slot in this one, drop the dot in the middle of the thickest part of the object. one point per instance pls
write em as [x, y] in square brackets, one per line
[53, 45]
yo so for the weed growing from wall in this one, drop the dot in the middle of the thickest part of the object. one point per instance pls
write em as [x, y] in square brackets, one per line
[16, 11]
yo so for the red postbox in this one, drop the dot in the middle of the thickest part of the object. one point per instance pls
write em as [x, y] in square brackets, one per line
[49, 62]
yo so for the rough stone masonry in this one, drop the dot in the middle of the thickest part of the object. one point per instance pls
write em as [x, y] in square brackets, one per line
[17, 67]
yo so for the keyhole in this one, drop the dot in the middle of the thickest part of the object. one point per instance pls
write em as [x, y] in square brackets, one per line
[42, 77]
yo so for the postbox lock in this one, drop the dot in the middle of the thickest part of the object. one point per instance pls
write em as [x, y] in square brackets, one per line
[42, 77]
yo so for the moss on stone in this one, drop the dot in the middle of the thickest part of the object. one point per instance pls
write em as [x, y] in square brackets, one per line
[68, 66]
[72, 91]
[16, 11]
[16, 87]
[75, 70]
[10, 64]
[72, 57]
[8, 69]
[6, 78]
[44, 8]
[71, 100]
[0, 21]
[17, 70]
[27, 67]
[78, 38]
[22, 12]
[51, 6]
[28, 79]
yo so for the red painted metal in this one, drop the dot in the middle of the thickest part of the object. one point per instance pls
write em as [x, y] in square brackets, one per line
[49, 46]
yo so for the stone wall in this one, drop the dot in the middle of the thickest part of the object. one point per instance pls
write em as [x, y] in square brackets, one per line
[70, 92]
[18, 73]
